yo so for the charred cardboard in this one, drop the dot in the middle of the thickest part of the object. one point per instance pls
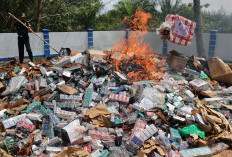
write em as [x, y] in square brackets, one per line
[176, 61]
[219, 70]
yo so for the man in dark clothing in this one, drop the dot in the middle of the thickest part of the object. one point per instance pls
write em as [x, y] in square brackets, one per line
[23, 38]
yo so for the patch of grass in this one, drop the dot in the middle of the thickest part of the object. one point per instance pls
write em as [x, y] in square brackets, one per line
[37, 58]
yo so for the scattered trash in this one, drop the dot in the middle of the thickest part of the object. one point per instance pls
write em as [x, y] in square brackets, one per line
[80, 105]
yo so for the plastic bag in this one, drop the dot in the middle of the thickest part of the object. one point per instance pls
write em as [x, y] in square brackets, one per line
[15, 84]
[192, 129]
[154, 95]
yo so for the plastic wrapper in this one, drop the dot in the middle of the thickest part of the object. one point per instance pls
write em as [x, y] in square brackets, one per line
[15, 84]
[73, 131]
[119, 151]
[192, 129]
[154, 95]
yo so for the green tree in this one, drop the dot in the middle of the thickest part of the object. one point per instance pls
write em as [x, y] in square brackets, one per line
[128, 7]
[186, 10]
[169, 7]
[14, 7]
[125, 9]
[219, 20]
[177, 7]
[109, 21]
[86, 15]
[57, 15]
[53, 15]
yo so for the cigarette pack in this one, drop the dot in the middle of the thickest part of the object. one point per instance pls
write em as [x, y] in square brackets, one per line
[88, 95]
[26, 125]
[117, 97]
[96, 153]
[200, 84]
[175, 134]
[7, 123]
[194, 152]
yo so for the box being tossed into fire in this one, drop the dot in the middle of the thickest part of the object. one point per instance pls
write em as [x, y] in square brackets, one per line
[177, 29]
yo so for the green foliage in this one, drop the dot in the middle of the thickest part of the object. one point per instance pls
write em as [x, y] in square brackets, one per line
[14, 7]
[79, 15]
[169, 7]
[186, 10]
[88, 12]
[54, 15]
[109, 21]
[125, 9]
[217, 20]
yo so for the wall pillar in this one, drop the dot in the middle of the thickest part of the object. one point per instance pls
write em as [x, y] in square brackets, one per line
[90, 38]
[46, 46]
[127, 33]
[212, 43]
[165, 47]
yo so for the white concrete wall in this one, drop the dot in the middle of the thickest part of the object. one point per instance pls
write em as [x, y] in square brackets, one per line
[190, 50]
[9, 45]
[73, 40]
[106, 40]
[224, 46]
[155, 42]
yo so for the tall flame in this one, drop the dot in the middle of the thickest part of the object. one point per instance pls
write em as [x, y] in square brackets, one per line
[136, 51]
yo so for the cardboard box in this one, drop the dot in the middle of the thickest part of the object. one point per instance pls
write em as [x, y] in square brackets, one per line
[177, 62]
[96, 55]
[219, 70]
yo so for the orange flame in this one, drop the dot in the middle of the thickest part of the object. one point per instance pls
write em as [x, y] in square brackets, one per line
[135, 51]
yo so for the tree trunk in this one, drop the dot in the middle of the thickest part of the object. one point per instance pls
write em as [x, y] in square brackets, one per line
[38, 16]
[199, 32]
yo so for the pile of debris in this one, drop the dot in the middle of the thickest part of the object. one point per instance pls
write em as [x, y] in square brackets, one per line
[81, 106]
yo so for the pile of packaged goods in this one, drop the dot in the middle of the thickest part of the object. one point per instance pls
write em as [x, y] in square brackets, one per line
[80, 106]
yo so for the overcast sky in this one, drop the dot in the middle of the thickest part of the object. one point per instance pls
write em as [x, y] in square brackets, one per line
[214, 4]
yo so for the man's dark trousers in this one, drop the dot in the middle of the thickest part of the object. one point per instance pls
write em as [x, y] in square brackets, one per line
[21, 42]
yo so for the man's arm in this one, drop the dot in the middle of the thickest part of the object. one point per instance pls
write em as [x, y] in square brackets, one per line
[29, 26]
